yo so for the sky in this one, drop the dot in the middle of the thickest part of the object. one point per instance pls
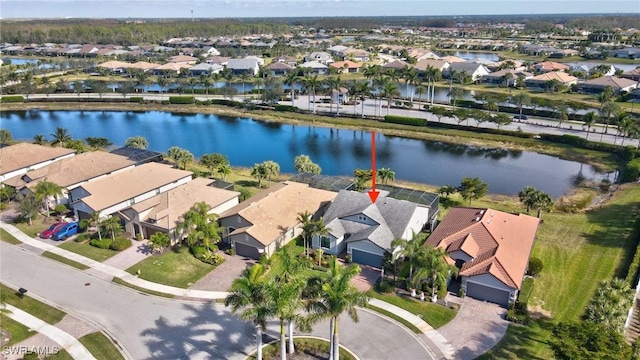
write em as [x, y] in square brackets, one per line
[300, 8]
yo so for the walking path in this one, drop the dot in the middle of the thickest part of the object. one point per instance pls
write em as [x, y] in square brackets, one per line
[435, 341]
[65, 340]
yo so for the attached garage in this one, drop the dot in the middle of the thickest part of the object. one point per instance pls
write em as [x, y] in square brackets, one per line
[366, 258]
[247, 251]
[486, 293]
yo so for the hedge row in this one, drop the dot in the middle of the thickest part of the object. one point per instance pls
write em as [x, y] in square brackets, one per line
[404, 120]
[226, 102]
[627, 153]
[279, 107]
[181, 99]
[631, 171]
[12, 99]
[136, 99]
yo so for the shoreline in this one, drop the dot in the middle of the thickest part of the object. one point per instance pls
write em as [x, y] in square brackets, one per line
[602, 162]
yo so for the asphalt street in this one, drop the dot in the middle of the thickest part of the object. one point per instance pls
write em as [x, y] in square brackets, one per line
[149, 327]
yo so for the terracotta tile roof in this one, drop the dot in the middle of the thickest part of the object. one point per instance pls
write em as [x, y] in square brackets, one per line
[276, 209]
[615, 82]
[114, 64]
[144, 65]
[127, 184]
[551, 66]
[79, 168]
[499, 243]
[23, 155]
[341, 64]
[182, 58]
[172, 66]
[452, 59]
[168, 207]
[555, 75]
[434, 63]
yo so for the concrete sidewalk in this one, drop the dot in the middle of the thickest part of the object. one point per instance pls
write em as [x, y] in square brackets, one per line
[431, 337]
[66, 341]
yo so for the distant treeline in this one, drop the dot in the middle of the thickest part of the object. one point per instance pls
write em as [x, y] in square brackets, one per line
[148, 31]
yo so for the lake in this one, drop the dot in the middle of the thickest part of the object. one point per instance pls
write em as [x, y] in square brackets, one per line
[337, 151]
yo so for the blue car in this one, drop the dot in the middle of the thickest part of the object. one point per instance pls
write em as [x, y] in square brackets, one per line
[66, 231]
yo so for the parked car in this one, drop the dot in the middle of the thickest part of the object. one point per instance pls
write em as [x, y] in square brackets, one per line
[47, 234]
[66, 231]
[520, 117]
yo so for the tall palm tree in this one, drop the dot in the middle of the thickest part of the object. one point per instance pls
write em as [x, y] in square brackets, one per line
[291, 79]
[411, 249]
[625, 125]
[259, 171]
[60, 137]
[432, 74]
[97, 222]
[589, 119]
[338, 295]
[363, 88]
[308, 226]
[5, 136]
[193, 82]
[312, 84]
[410, 75]
[609, 108]
[520, 100]
[112, 224]
[434, 267]
[454, 94]
[527, 197]
[205, 80]
[562, 112]
[162, 83]
[45, 189]
[138, 142]
[389, 90]
[243, 78]
[224, 170]
[200, 226]
[386, 175]
[250, 298]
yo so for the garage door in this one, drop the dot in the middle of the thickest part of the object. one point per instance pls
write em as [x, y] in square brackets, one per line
[247, 251]
[365, 258]
[486, 293]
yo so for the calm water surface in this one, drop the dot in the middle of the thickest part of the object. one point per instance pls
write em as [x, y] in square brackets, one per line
[338, 151]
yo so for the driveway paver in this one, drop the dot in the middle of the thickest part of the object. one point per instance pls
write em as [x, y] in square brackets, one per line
[126, 258]
[477, 327]
[220, 278]
[367, 278]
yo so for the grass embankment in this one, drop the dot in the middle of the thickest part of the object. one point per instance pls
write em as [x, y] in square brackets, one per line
[578, 251]
[87, 250]
[100, 347]
[6, 237]
[601, 160]
[34, 307]
[64, 260]
[176, 267]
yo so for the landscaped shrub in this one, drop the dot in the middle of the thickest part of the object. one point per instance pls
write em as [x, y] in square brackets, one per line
[279, 107]
[404, 120]
[82, 238]
[83, 225]
[12, 99]
[231, 251]
[102, 244]
[461, 293]
[197, 250]
[181, 99]
[211, 257]
[385, 287]
[226, 102]
[629, 153]
[347, 258]
[120, 244]
[631, 171]
[61, 209]
[136, 99]
[535, 266]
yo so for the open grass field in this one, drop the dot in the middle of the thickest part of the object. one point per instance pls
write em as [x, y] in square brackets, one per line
[176, 267]
[34, 307]
[100, 346]
[578, 251]
[87, 250]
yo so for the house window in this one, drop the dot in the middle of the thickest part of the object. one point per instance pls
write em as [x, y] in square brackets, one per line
[325, 242]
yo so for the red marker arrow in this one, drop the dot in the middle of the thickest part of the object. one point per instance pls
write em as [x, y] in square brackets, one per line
[373, 193]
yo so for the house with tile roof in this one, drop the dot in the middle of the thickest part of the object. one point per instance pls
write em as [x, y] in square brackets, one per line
[71, 172]
[364, 229]
[162, 212]
[490, 247]
[597, 85]
[549, 66]
[424, 64]
[347, 66]
[316, 67]
[20, 158]
[289, 60]
[633, 74]
[243, 66]
[279, 68]
[319, 56]
[541, 80]
[269, 220]
[475, 71]
[116, 192]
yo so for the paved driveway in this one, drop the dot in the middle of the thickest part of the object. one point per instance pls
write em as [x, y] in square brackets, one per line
[125, 259]
[367, 278]
[478, 327]
[220, 278]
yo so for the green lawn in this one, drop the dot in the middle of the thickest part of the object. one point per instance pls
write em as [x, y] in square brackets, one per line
[434, 314]
[60, 355]
[175, 267]
[34, 307]
[6, 237]
[39, 224]
[396, 318]
[87, 250]
[64, 260]
[578, 251]
[140, 289]
[18, 331]
[100, 347]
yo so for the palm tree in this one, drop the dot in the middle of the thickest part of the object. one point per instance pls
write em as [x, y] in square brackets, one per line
[338, 295]
[45, 189]
[112, 224]
[609, 108]
[410, 75]
[291, 79]
[5, 137]
[520, 100]
[312, 84]
[543, 202]
[205, 80]
[389, 90]
[433, 266]
[625, 125]
[259, 171]
[192, 83]
[455, 93]
[562, 112]
[200, 226]
[527, 197]
[137, 142]
[411, 249]
[589, 119]
[363, 88]
[60, 137]
[224, 170]
[273, 170]
[335, 84]
[249, 297]
[308, 226]
[386, 175]
[420, 90]
[162, 83]
[243, 78]
[97, 222]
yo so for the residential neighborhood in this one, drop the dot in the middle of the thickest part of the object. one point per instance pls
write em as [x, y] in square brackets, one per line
[412, 187]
